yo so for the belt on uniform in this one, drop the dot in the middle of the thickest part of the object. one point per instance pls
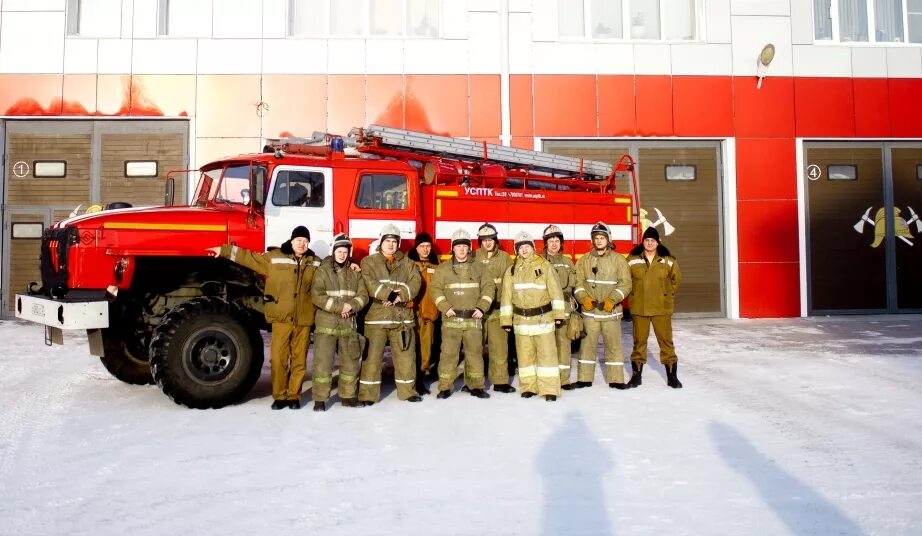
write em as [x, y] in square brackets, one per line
[465, 313]
[532, 311]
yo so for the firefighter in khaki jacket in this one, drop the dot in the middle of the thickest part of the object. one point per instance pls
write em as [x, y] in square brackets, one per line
[532, 305]
[496, 261]
[392, 281]
[426, 313]
[462, 291]
[566, 276]
[339, 294]
[656, 278]
[289, 272]
[603, 281]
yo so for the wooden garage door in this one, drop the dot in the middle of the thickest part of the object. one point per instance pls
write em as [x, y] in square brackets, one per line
[27, 157]
[24, 243]
[133, 167]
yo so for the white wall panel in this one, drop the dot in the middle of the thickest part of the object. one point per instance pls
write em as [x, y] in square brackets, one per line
[904, 62]
[127, 18]
[32, 42]
[613, 58]
[238, 18]
[520, 6]
[750, 34]
[145, 18]
[563, 58]
[425, 56]
[483, 43]
[453, 19]
[761, 7]
[869, 62]
[701, 59]
[717, 21]
[811, 60]
[652, 59]
[544, 20]
[520, 43]
[275, 18]
[80, 56]
[801, 22]
[114, 56]
[229, 56]
[383, 56]
[345, 56]
[482, 5]
[33, 5]
[311, 56]
[164, 56]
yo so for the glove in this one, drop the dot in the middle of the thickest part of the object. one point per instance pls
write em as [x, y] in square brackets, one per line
[410, 304]
[609, 305]
[588, 304]
[558, 322]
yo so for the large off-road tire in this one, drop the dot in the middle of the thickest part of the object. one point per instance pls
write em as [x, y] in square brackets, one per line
[125, 361]
[206, 353]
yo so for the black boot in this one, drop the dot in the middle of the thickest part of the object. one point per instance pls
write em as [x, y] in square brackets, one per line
[550, 398]
[320, 406]
[294, 404]
[503, 388]
[636, 376]
[279, 404]
[569, 386]
[421, 388]
[350, 402]
[672, 376]
[366, 403]
[480, 393]
[465, 389]
[415, 398]
[443, 394]
[619, 386]
[583, 385]
[527, 394]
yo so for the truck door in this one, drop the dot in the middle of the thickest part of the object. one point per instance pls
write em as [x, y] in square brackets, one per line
[300, 195]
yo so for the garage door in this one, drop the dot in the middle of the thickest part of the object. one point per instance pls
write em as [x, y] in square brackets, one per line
[679, 187]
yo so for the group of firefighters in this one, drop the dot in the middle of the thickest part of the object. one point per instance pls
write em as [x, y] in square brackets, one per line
[477, 296]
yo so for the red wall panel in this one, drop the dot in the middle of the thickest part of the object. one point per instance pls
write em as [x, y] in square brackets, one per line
[767, 230]
[766, 112]
[769, 290]
[486, 113]
[654, 105]
[703, 105]
[616, 105]
[906, 107]
[824, 107]
[766, 168]
[438, 103]
[565, 105]
[521, 105]
[872, 107]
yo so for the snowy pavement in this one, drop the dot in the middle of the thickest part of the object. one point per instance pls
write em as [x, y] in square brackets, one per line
[792, 426]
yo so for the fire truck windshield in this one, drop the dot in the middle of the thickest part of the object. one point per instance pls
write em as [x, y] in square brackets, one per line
[228, 185]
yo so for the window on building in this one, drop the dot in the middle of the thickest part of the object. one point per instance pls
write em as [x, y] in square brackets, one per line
[184, 18]
[295, 188]
[361, 18]
[49, 169]
[94, 18]
[681, 172]
[27, 230]
[140, 168]
[842, 172]
[669, 20]
[867, 21]
[382, 192]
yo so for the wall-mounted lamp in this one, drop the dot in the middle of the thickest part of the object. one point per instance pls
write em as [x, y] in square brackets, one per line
[765, 58]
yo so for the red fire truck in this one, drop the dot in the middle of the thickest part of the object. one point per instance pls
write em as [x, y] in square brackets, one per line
[157, 308]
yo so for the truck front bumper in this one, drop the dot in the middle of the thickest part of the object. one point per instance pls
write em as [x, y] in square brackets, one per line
[63, 314]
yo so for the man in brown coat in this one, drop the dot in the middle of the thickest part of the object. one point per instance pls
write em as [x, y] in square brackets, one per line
[426, 312]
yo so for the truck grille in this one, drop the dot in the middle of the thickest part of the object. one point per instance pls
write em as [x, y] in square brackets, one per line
[55, 245]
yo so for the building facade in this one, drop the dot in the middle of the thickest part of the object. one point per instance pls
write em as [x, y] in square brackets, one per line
[778, 142]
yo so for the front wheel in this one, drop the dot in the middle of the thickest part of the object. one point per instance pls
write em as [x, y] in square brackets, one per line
[206, 353]
[125, 361]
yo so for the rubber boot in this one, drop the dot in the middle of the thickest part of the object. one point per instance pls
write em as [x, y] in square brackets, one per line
[527, 395]
[568, 386]
[480, 393]
[550, 398]
[672, 376]
[443, 394]
[637, 374]
[294, 404]
[415, 398]
[421, 387]
[619, 386]
[279, 404]
[583, 385]
[350, 402]
[503, 388]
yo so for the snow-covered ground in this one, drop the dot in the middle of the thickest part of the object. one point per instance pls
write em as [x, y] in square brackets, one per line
[795, 426]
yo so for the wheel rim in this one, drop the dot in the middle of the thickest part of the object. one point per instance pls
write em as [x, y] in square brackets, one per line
[210, 355]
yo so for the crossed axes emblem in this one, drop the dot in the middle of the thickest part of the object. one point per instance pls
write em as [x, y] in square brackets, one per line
[668, 229]
[901, 226]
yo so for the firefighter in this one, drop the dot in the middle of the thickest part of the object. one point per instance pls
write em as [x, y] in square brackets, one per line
[566, 276]
[656, 277]
[289, 272]
[338, 293]
[462, 291]
[603, 281]
[392, 281]
[426, 313]
[532, 305]
[496, 261]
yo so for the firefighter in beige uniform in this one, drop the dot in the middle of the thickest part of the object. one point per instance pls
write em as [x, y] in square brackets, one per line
[496, 261]
[532, 305]
[462, 291]
[566, 276]
[339, 294]
[603, 281]
[289, 272]
[392, 281]
[426, 313]
[656, 278]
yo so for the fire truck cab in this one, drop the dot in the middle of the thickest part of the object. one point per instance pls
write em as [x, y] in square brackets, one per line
[158, 309]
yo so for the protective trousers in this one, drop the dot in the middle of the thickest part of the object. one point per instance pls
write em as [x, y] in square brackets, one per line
[404, 362]
[325, 346]
[563, 352]
[498, 350]
[288, 359]
[452, 339]
[538, 368]
[426, 329]
[662, 327]
[614, 355]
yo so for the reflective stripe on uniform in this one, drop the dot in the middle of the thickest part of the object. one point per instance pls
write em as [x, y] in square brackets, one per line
[346, 377]
[605, 316]
[557, 305]
[529, 286]
[404, 381]
[329, 304]
[488, 298]
[614, 364]
[670, 263]
[340, 293]
[277, 260]
[548, 372]
[601, 282]
[463, 285]
[323, 379]
[533, 329]
[388, 322]
[366, 382]
[618, 290]
[316, 263]
[505, 310]
[587, 361]
[233, 255]
[527, 372]
[440, 299]
[497, 280]
[632, 262]
[336, 332]
[392, 282]
[563, 367]
[579, 289]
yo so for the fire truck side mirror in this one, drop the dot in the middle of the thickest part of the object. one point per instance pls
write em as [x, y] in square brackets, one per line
[168, 195]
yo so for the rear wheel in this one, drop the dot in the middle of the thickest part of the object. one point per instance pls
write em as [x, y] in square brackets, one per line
[206, 353]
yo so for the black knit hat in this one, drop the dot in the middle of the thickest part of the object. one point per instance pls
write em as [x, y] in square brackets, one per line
[422, 238]
[651, 232]
[301, 232]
